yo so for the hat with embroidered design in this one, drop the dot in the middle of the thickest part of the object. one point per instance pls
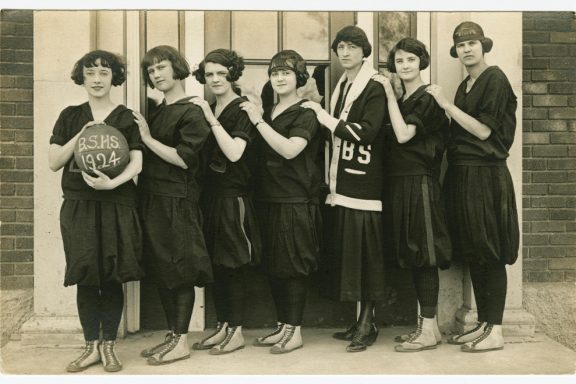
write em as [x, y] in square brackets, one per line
[467, 31]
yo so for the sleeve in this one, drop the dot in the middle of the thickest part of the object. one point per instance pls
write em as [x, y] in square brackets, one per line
[305, 125]
[374, 110]
[494, 99]
[59, 133]
[243, 127]
[423, 114]
[193, 132]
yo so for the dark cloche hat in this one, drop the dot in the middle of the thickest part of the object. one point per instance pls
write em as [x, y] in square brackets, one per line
[469, 30]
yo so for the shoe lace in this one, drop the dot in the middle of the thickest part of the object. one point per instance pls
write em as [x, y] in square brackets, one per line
[279, 328]
[88, 350]
[484, 335]
[170, 345]
[287, 336]
[109, 353]
[229, 333]
[416, 334]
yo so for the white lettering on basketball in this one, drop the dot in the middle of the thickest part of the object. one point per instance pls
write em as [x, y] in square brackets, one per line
[114, 144]
[98, 142]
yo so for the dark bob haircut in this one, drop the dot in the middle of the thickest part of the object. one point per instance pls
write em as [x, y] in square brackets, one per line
[409, 45]
[107, 59]
[289, 59]
[165, 52]
[224, 57]
[354, 35]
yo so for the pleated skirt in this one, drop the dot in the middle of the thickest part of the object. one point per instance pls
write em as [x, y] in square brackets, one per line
[102, 242]
[175, 253]
[354, 255]
[231, 232]
[416, 233]
[482, 214]
[291, 238]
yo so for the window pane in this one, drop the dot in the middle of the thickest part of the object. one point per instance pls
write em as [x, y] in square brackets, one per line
[392, 27]
[255, 34]
[307, 34]
[252, 83]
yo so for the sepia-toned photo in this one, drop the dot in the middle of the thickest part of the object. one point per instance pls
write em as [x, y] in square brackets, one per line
[261, 193]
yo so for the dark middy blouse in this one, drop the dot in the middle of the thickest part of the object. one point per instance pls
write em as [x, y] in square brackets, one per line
[421, 155]
[296, 180]
[69, 123]
[180, 125]
[492, 102]
[225, 178]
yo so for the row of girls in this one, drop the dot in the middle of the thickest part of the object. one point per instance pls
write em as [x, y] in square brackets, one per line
[260, 176]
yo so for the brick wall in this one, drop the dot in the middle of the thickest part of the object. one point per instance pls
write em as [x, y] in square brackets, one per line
[549, 130]
[16, 145]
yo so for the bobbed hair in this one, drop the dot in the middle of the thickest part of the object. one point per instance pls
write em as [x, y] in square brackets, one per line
[469, 30]
[224, 57]
[289, 59]
[165, 52]
[354, 35]
[107, 59]
[409, 45]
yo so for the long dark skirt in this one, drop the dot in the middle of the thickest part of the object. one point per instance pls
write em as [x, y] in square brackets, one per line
[481, 213]
[291, 238]
[175, 253]
[231, 232]
[102, 242]
[354, 255]
[415, 223]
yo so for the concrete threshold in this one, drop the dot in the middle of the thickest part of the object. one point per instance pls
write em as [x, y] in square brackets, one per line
[321, 355]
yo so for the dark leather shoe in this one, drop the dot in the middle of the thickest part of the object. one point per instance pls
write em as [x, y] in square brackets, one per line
[362, 341]
[347, 335]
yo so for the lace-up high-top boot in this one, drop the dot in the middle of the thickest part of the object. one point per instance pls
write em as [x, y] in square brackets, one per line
[472, 334]
[233, 341]
[176, 349]
[437, 334]
[108, 355]
[291, 340]
[271, 338]
[89, 356]
[214, 339]
[155, 349]
[422, 339]
[490, 340]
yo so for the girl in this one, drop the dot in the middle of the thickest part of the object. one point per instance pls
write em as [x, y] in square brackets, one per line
[413, 212]
[231, 233]
[175, 252]
[287, 189]
[354, 176]
[98, 219]
[479, 192]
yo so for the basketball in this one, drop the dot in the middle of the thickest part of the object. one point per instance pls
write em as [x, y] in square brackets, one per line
[104, 148]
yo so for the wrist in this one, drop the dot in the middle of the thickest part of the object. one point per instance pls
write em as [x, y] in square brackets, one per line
[258, 122]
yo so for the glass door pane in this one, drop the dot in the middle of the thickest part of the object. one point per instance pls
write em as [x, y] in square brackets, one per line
[255, 34]
[307, 33]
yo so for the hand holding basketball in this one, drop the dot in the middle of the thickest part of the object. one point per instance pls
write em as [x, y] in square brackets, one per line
[101, 182]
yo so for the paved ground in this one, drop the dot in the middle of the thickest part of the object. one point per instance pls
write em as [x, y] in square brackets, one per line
[321, 355]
